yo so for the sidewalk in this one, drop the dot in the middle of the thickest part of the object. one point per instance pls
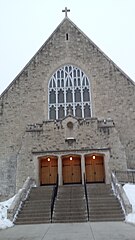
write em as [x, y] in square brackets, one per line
[71, 231]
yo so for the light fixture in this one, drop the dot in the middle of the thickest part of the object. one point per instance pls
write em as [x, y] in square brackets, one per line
[71, 158]
[94, 157]
[48, 159]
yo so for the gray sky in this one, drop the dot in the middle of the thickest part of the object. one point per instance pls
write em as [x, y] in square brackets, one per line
[26, 24]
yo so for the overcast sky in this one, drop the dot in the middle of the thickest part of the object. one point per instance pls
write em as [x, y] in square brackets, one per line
[26, 24]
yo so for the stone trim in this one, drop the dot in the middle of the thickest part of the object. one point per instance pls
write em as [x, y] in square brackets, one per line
[78, 151]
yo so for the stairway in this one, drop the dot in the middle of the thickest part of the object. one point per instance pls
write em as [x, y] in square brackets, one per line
[37, 208]
[103, 204]
[70, 205]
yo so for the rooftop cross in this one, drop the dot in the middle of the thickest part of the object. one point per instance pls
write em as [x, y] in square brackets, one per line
[66, 11]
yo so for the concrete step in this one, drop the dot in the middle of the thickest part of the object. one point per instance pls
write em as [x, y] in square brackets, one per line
[103, 204]
[104, 208]
[37, 208]
[69, 220]
[45, 206]
[105, 211]
[69, 213]
[33, 214]
[31, 222]
[69, 209]
[70, 205]
[71, 217]
[36, 203]
[43, 197]
[107, 219]
[34, 217]
[45, 209]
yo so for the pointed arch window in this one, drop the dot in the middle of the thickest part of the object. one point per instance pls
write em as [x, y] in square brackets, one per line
[69, 90]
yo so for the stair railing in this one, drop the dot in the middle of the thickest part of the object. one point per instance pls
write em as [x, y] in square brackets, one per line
[86, 195]
[127, 176]
[120, 194]
[54, 195]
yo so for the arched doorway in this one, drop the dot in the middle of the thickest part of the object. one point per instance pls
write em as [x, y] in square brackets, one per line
[94, 168]
[48, 170]
[71, 169]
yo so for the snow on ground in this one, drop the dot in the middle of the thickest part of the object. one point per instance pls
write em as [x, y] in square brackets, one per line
[130, 192]
[4, 222]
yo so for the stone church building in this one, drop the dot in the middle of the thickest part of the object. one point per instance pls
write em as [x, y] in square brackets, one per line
[70, 111]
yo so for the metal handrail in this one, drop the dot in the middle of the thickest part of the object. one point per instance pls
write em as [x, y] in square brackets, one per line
[54, 195]
[86, 195]
[125, 176]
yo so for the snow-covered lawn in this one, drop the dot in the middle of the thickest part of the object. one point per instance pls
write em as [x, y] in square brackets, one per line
[130, 192]
[129, 189]
[4, 222]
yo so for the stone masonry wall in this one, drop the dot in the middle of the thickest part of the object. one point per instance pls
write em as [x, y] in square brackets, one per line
[88, 135]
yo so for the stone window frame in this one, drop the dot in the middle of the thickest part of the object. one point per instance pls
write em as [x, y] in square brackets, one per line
[69, 91]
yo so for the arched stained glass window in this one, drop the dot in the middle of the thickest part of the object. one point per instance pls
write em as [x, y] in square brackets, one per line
[69, 90]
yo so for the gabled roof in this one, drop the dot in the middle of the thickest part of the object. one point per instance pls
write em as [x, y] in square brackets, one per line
[64, 20]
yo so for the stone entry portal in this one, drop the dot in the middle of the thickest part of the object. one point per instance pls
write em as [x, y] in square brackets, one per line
[71, 169]
[48, 170]
[94, 168]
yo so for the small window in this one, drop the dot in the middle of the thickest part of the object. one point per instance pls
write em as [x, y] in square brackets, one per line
[66, 36]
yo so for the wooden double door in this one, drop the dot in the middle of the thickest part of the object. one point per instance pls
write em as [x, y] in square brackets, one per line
[94, 168]
[48, 170]
[71, 169]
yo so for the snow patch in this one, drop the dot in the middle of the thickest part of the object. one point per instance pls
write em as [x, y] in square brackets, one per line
[4, 222]
[130, 192]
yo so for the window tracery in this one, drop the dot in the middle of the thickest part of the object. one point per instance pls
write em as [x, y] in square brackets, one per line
[69, 90]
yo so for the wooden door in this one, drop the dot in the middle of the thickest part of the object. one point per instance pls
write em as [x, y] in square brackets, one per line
[67, 170]
[94, 169]
[99, 169]
[53, 170]
[71, 170]
[89, 169]
[48, 171]
[45, 172]
[76, 170]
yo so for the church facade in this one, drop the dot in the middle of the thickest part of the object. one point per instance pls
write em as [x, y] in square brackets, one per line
[71, 111]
